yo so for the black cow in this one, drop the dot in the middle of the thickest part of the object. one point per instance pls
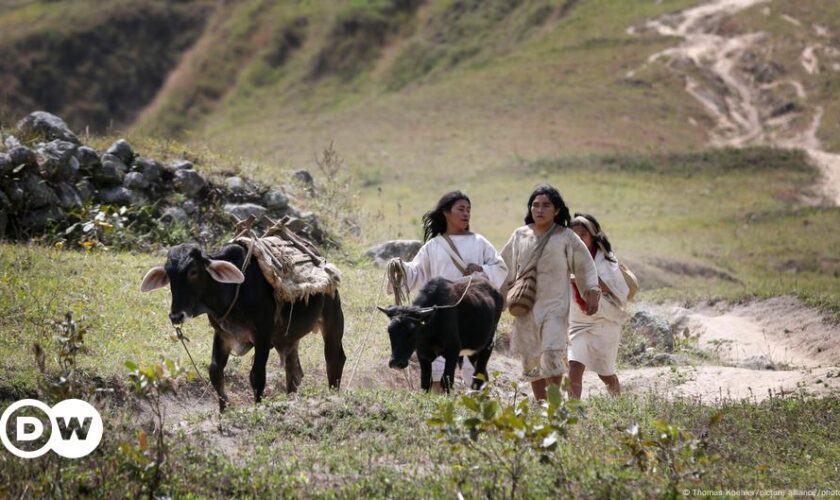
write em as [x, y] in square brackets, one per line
[433, 329]
[202, 283]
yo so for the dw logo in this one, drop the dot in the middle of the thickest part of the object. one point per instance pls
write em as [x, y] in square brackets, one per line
[75, 429]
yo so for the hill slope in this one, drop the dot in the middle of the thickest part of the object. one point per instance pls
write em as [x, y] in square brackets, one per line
[95, 64]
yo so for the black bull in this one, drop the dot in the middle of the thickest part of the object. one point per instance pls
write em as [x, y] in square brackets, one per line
[202, 283]
[433, 328]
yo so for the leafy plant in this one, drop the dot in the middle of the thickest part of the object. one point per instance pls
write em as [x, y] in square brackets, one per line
[103, 226]
[335, 198]
[151, 383]
[668, 449]
[69, 338]
[507, 436]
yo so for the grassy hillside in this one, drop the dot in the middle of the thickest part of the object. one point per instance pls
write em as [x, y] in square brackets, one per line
[531, 78]
[520, 79]
[96, 64]
[689, 225]
[492, 97]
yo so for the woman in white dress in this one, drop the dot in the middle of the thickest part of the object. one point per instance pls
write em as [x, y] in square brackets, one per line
[593, 340]
[445, 227]
[540, 336]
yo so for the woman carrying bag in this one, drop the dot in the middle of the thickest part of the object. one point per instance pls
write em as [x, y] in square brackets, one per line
[541, 256]
[593, 339]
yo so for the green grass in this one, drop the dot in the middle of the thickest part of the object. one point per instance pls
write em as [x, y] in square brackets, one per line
[513, 78]
[732, 211]
[375, 443]
[705, 226]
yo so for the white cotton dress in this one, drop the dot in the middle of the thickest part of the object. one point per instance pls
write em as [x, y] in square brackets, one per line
[433, 261]
[593, 340]
[540, 338]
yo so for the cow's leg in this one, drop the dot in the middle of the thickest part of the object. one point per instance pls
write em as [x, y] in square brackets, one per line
[257, 377]
[449, 372]
[332, 329]
[294, 372]
[426, 374]
[479, 361]
[218, 361]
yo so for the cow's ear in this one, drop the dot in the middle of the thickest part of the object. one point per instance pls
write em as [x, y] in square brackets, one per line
[224, 272]
[154, 279]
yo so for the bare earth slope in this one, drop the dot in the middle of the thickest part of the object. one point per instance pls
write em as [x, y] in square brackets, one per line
[726, 74]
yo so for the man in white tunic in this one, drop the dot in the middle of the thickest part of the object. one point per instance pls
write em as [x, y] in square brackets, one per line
[453, 252]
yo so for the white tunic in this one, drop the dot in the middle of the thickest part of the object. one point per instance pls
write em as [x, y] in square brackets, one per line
[593, 340]
[433, 261]
[541, 336]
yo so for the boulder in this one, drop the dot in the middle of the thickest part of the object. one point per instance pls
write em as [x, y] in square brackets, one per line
[111, 171]
[21, 155]
[151, 170]
[6, 165]
[306, 179]
[119, 195]
[47, 125]
[190, 206]
[760, 362]
[668, 359]
[11, 142]
[175, 214]
[58, 161]
[39, 219]
[86, 190]
[68, 196]
[276, 200]
[237, 185]
[177, 165]
[38, 193]
[243, 210]
[654, 328]
[308, 225]
[5, 203]
[383, 252]
[15, 194]
[189, 182]
[135, 180]
[88, 159]
[5, 208]
[122, 150]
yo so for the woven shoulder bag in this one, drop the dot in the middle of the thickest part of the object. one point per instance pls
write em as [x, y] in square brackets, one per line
[523, 291]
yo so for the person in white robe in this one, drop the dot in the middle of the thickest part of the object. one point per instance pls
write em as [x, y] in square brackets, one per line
[594, 340]
[540, 337]
[445, 227]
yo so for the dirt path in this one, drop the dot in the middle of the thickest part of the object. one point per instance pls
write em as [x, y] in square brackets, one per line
[709, 62]
[762, 348]
[774, 346]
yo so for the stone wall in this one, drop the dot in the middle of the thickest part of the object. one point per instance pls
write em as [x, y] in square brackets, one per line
[49, 180]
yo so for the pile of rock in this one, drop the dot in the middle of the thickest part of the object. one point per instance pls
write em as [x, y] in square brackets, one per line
[648, 340]
[49, 173]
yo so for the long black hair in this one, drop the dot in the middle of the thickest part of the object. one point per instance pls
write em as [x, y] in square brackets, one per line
[599, 239]
[562, 218]
[434, 222]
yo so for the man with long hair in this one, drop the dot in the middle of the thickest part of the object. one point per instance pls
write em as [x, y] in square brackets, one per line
[451, 251]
